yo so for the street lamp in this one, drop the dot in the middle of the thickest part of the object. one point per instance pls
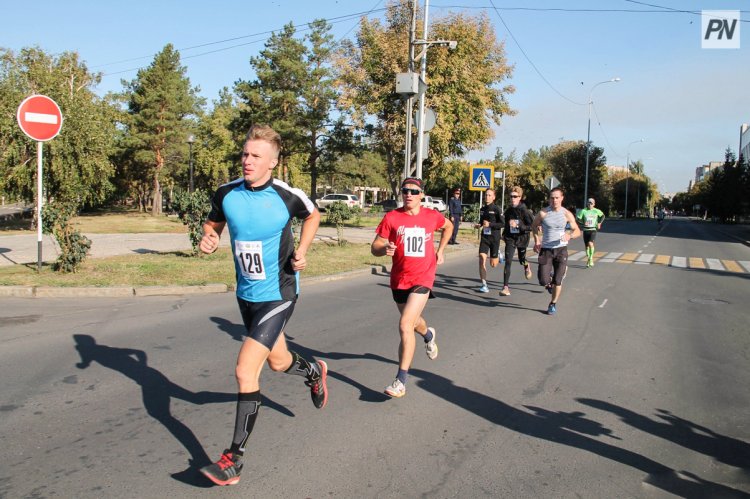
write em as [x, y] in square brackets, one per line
[627, 175]
[588, 140]
[190, 140]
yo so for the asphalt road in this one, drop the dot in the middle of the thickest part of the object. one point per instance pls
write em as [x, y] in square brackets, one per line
[637, 388]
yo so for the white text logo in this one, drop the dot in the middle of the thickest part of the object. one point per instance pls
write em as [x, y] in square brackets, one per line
[720, 29]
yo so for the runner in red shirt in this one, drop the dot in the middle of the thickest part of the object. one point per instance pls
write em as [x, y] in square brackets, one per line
[406, 234]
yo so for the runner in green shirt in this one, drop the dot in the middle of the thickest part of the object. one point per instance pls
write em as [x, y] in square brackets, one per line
[590, 219]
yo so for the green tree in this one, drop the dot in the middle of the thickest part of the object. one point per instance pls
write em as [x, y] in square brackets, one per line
[465, 84]
[216, 147]
[568, 163]
[529, 174]
[351, 170]
[160, 102]
[293, 93]
[77, 167]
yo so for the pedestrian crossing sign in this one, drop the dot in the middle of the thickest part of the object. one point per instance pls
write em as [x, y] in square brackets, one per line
[482, 177]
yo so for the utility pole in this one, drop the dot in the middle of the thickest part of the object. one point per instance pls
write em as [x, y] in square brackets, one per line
[410, 84]
[410, 98]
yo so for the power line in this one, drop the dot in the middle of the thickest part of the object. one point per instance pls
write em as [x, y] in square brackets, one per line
[529, 59]
[300, 27]
[606, 139]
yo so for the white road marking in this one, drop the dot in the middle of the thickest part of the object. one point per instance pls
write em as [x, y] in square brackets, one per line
[611, 257]
[745, 264]
[645, 258]
[679, 261]
[714, 264]
[577, 256]
[603, 303]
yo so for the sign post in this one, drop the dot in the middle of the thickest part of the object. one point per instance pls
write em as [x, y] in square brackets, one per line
[41, 119]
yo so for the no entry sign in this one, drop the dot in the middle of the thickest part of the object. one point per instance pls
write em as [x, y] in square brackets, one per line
[39, 117]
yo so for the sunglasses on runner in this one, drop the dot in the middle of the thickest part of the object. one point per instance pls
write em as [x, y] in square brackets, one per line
[413, 192]
[515, 196]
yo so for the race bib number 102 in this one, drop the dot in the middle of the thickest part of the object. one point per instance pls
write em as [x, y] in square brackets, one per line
[249, 256]
[414, 242]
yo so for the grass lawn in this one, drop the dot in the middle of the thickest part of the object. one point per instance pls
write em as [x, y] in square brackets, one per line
[180, 268]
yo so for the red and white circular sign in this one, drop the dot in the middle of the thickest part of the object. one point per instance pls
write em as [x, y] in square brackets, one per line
[39, 117]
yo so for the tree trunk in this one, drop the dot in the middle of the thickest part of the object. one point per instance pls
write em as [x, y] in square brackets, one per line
[156, 198]
[313, 167]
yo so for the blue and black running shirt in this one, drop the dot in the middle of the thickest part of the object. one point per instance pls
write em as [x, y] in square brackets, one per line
[260, 227]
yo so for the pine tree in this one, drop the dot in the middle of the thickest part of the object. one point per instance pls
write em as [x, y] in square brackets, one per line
[160, 103]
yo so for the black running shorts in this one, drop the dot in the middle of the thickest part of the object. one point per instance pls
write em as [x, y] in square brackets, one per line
[401, 295]
[264, 321]
[489, 245]
[589, 235]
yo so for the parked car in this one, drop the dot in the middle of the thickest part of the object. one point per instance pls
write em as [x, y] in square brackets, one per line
[388, 205]
[348, 199]
[434, 203]
[439, 205]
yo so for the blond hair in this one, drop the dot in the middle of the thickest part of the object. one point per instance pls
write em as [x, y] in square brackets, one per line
[265, 132]
[517, 190]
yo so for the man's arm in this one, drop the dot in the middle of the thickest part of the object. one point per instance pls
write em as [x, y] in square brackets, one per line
[536, 231]
[574, 230]
[307, 235]
[211, 236]
[446, 231]
[500, 219]
[382, 247]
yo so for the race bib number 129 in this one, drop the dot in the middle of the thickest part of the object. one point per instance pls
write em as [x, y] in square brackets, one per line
[249, 256]
[414, 241]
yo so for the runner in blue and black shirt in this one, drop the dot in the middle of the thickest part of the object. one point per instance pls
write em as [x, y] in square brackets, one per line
[258, 211]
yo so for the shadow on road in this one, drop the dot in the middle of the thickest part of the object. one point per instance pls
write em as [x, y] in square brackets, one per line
[157, 393]
[237, 332]
[571, 429]
[682, 432]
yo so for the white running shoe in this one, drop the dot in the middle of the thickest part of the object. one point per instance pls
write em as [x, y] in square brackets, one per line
[431, 348]
[395, 389]
[483, 289]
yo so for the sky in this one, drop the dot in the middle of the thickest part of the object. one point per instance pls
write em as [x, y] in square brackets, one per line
[685, 102]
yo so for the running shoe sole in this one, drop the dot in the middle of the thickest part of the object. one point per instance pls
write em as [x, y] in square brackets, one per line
[434, 342]
[231, 481]
[323, 381]
[395, 395]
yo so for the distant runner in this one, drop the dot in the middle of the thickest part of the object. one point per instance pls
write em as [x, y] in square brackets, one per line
[551, 242]
[590, 220]
[490, 224]
[518, 220]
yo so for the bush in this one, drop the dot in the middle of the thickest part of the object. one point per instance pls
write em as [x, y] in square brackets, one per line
[73, 245]
[192, 209]
[471, 213]
[338, 213]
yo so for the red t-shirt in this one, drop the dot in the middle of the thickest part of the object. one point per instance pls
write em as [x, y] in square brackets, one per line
[414, 262]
